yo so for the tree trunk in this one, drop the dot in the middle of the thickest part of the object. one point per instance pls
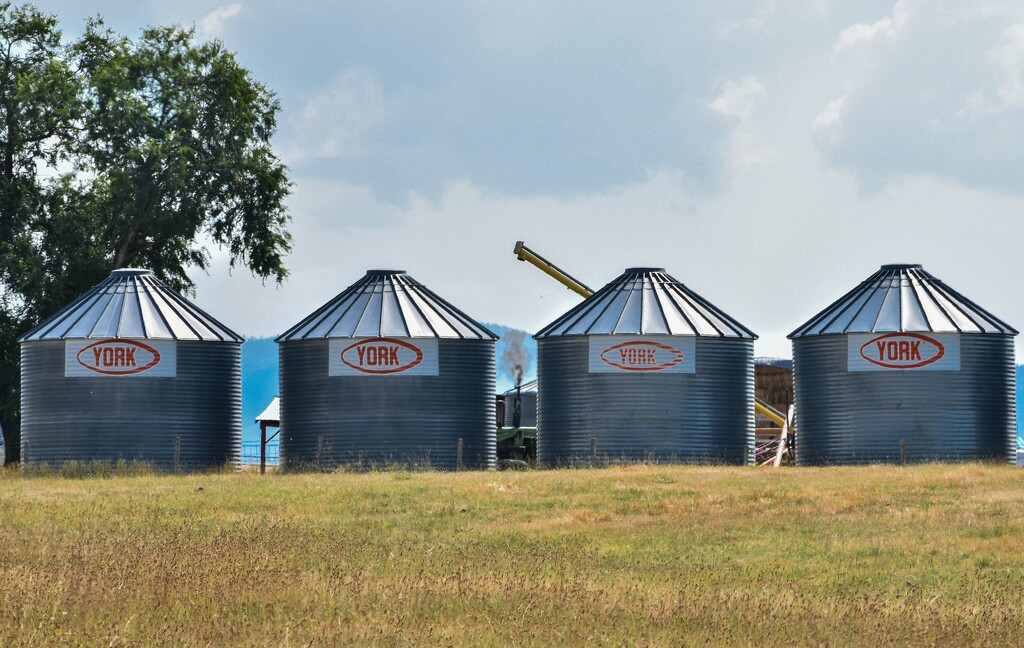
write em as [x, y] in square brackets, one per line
[12, 439]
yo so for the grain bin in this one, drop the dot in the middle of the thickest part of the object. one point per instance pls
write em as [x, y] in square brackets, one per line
[387, 373]
[131, 370]
[527, 405]
[645, 369]
[903, 368]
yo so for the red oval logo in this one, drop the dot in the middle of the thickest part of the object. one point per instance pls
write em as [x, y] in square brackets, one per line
[381, 356]
[642, 355]
[902, 350]
[117, 357]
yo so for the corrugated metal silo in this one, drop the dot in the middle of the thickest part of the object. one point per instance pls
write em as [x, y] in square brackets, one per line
[131, 370]
[387, 372]
[645, 369]
[904, 368]
[527, 405]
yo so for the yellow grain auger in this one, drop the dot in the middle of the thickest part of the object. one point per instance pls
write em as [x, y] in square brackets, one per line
[770, 453]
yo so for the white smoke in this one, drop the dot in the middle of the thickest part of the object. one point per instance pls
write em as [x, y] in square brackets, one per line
[515, 359]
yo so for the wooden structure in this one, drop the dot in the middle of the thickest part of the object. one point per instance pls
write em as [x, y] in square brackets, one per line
[271, 417]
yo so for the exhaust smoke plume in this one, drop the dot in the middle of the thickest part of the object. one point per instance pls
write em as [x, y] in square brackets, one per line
[515, 359]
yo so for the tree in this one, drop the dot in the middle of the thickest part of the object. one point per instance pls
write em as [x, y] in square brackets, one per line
[120, 153]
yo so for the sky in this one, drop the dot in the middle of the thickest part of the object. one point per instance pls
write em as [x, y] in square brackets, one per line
[770, 155]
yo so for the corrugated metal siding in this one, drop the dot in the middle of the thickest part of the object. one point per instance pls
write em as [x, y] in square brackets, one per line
[382, 420]
[703, 417]
[860, 417]
[527, 409]
[110, 418]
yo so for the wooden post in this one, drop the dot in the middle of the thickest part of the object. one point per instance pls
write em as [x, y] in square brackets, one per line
[458, 454]
[177, 454]
[319, 452]
[263, 447]
[593, 451]
[783, 439]
[903, 452]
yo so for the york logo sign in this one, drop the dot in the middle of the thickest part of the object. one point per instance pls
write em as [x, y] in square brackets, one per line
[383, 356]
[639, 355]
[905, 351]
[119, 357]
[642, 356]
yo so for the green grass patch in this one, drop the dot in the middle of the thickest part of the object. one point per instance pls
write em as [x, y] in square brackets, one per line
[628, 555]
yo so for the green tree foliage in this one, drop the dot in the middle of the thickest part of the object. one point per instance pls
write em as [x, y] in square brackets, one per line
[124, 153]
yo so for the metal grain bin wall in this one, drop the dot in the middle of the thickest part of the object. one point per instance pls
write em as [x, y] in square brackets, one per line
[903, 368]
[527, 405]
[387, 373]
[131, 371]
[645, 370]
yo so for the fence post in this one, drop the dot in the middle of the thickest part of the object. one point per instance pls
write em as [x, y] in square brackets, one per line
[458, 455]
[177, 455]
[903, 452]
[263, 447]
[593, 451]
[319, 452]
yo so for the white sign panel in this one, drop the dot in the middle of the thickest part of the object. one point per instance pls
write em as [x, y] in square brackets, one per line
[120, 358]
[383, 357]
[903, 352]
[642, 354]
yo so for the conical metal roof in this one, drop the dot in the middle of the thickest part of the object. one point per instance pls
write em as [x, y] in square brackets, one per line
[526, 388]
[646, 301]
[387, 303]
[131, 303]
[902, 298]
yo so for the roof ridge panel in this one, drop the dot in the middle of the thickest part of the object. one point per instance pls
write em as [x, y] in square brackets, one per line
[605, 305]
[396, 291]
[123, 292]
[924, 299]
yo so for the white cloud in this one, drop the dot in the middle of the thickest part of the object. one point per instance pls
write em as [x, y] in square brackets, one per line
[827, 126]
[886, 27]
[334, 121]
[212, 25]
[786, 240]
[1008, 59]
[738, 99]
[832, 116]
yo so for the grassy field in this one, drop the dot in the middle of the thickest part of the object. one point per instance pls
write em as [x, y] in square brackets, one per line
[617, 556]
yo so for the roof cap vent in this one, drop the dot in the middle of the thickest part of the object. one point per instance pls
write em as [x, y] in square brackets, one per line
[901, 266]
[132, 272]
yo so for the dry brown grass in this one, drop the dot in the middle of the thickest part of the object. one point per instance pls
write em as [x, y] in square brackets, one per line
[619, 556]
